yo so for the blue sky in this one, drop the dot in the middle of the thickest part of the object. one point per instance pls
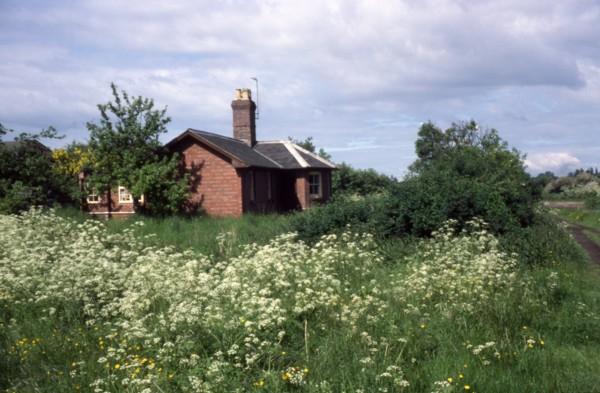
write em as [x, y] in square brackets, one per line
[357, 76]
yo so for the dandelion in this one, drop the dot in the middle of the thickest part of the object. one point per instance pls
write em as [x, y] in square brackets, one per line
[467, 387]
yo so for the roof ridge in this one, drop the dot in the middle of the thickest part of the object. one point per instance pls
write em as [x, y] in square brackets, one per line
[315, 156]
[219, 135]
[290, 147]
[272, 141]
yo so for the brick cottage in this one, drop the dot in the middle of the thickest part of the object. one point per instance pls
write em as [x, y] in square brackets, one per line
[232, 176]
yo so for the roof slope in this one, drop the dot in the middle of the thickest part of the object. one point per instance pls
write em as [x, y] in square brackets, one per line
[269, 154]
[291, 156]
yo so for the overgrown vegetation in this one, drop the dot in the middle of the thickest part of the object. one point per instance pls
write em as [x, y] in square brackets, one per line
[87, 309]
[461, 173]
[482, 291]
[126, 152]
[27, 176]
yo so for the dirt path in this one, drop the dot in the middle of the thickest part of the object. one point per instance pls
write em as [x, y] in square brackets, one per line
[592, 248]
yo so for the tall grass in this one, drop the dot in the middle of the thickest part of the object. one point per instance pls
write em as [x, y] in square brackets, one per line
[84, 307]
[195, 233]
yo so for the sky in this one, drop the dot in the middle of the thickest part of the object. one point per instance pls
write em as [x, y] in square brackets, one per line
[359, 77]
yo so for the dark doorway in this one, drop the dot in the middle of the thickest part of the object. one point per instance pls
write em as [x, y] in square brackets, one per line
[288, 198]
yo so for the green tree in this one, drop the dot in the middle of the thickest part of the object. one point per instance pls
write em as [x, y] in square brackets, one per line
[125, 151]
[465, 172]
[352, 181]
[26, 172]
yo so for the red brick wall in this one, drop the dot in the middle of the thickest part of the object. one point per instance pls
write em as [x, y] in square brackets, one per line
[216, 186]
[302, 189]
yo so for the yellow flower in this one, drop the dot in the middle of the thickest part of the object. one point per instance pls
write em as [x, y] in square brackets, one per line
[259, 383]
[467, 387]
[461, 376]
[422, 326]
[541, 342]
[450, 379]
[305, 370]
[117, 366]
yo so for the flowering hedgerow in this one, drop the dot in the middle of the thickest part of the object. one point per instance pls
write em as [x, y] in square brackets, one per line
[140, 318]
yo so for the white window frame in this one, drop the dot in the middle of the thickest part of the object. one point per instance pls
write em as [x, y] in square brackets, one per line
[121, 199]
[320, 184]
[93, 199]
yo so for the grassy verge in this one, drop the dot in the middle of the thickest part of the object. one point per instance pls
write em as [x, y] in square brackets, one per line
[585, 217]
[86, 307]
[594, 236]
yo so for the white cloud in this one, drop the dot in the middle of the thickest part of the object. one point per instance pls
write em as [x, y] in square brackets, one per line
[558, 162]
[336, 70]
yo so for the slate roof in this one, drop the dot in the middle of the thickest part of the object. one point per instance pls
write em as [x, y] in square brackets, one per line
[267, 154]
[291, 156]
[236, 149]
[32, 142]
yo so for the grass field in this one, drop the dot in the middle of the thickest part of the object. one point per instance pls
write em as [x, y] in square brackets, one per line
[93, 306]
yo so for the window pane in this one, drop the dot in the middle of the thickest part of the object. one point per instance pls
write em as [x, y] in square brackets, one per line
[314, 184]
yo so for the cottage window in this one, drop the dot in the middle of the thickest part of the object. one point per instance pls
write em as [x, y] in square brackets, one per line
[315, 186]
[125, 195]
[93, 198]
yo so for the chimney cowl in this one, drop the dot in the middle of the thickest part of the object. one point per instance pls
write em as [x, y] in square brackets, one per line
[243, 94]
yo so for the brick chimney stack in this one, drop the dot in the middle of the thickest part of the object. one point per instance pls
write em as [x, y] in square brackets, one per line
[244, 121]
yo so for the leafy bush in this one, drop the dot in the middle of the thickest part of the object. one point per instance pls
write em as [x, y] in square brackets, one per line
[592, 201]
[461, 174]
[366, 214]
[27, 177]
[544, 242]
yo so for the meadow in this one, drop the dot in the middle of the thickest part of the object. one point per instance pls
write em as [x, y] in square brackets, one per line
[204, 305]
